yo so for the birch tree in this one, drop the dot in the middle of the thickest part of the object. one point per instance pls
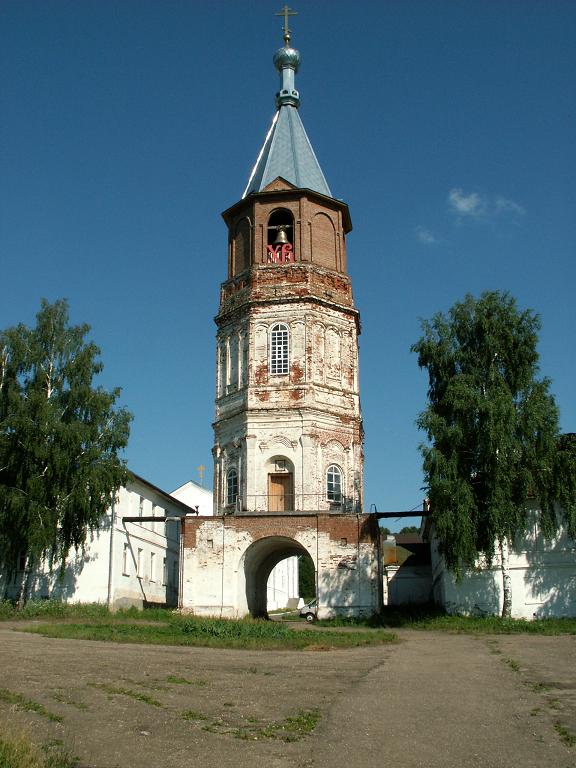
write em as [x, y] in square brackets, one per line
[60, 437]
[492, 427]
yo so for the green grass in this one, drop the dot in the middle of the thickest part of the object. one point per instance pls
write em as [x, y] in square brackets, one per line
[192, 714]
[56, 609]
[118, 690]
[216, 633]
[27, 705]
[566, 736]
[290, 729]
[64, 699]
[432, 618]
[19, 752]
[513, 664]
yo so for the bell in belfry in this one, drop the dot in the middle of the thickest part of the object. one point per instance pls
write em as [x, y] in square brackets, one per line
[281, 237]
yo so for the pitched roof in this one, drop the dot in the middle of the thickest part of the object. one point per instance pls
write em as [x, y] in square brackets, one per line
[287, 152]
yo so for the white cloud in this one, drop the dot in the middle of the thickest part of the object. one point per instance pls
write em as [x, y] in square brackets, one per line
[474, 205]
[424, 236]
[503, 205]
[466, 205]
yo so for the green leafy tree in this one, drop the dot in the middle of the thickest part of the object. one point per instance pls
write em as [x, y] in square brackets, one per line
[59, 440]
[306, 577]
[410, 529]
[492, 426]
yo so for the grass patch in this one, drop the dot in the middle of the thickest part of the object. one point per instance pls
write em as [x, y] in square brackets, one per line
[117, 690]
[430, 617]
[537, 687]
[152, 685]
[193, 714]
[27, 705]
[19, 752]
[513, 664]
[63, 699]
[56, 609]
[217, 633]
[566, 736]
[290, 729]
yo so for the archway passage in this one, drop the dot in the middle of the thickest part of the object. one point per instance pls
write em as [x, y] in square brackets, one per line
[260, 558]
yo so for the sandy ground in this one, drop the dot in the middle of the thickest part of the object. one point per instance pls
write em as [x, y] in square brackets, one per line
[431, 700]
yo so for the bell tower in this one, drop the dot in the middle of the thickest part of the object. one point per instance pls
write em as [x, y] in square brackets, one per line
[288, 432]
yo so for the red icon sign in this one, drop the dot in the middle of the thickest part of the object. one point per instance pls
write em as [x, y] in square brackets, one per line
[280, 254]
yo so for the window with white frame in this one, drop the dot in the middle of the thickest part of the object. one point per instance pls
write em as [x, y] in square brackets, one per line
[334, 483]
[279, 342]
[152, 566]
[231, 486]
[141, 506]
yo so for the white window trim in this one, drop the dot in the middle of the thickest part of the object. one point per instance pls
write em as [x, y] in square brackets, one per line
[330, 495]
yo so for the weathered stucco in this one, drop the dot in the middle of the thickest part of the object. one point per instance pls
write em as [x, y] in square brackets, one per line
[227, 561]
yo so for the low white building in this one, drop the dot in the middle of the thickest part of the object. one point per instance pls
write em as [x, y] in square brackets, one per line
[543, 575]
[124, 562]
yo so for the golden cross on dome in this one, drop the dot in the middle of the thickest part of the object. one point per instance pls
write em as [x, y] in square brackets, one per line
[286, 12]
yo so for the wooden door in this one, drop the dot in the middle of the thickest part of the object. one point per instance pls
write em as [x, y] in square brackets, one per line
[280, 495]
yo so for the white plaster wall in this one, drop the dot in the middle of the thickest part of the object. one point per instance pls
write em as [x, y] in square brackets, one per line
[282, 583]
[195, 495]
[543, 578]
[97, 574]
[347, 574]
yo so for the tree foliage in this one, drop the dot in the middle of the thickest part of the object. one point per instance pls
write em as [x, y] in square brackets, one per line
[306, 577]
[410, 529]
[492, 426]
[59, 439]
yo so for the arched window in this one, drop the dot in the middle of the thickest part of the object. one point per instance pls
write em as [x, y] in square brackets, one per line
[231, 487]
[279, 337]
[334, 483]
[280, 220]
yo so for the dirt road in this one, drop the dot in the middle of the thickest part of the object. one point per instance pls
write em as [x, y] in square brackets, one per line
[432, 700]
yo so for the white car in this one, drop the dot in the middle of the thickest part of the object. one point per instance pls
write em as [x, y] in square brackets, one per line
[309, 610]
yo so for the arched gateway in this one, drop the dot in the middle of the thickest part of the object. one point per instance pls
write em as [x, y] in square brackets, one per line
[227, 561]
[288, 436]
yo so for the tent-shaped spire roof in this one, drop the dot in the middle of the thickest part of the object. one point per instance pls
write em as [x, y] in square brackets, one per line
[287, 151]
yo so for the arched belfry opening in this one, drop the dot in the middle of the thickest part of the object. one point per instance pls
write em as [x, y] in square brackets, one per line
[280, 236]
[258, 562]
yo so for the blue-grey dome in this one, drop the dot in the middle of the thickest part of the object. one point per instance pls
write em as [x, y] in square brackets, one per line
[287, 57]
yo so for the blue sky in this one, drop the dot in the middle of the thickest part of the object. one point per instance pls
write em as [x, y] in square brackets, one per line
[129, 125]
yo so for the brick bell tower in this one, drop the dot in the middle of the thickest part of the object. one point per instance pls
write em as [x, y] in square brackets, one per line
[288, 429]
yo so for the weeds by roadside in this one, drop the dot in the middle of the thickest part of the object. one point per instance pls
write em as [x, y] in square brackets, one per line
[19, 752]
[432, 618]
[118, 690]
[566, 736]
[27, 705]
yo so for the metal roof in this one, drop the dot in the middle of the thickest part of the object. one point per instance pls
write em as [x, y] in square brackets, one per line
[287, 151]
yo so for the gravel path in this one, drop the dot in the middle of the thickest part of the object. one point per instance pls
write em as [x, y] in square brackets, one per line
[431, 700]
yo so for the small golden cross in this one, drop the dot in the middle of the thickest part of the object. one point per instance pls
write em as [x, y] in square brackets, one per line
[286, 12]
[201, 469]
